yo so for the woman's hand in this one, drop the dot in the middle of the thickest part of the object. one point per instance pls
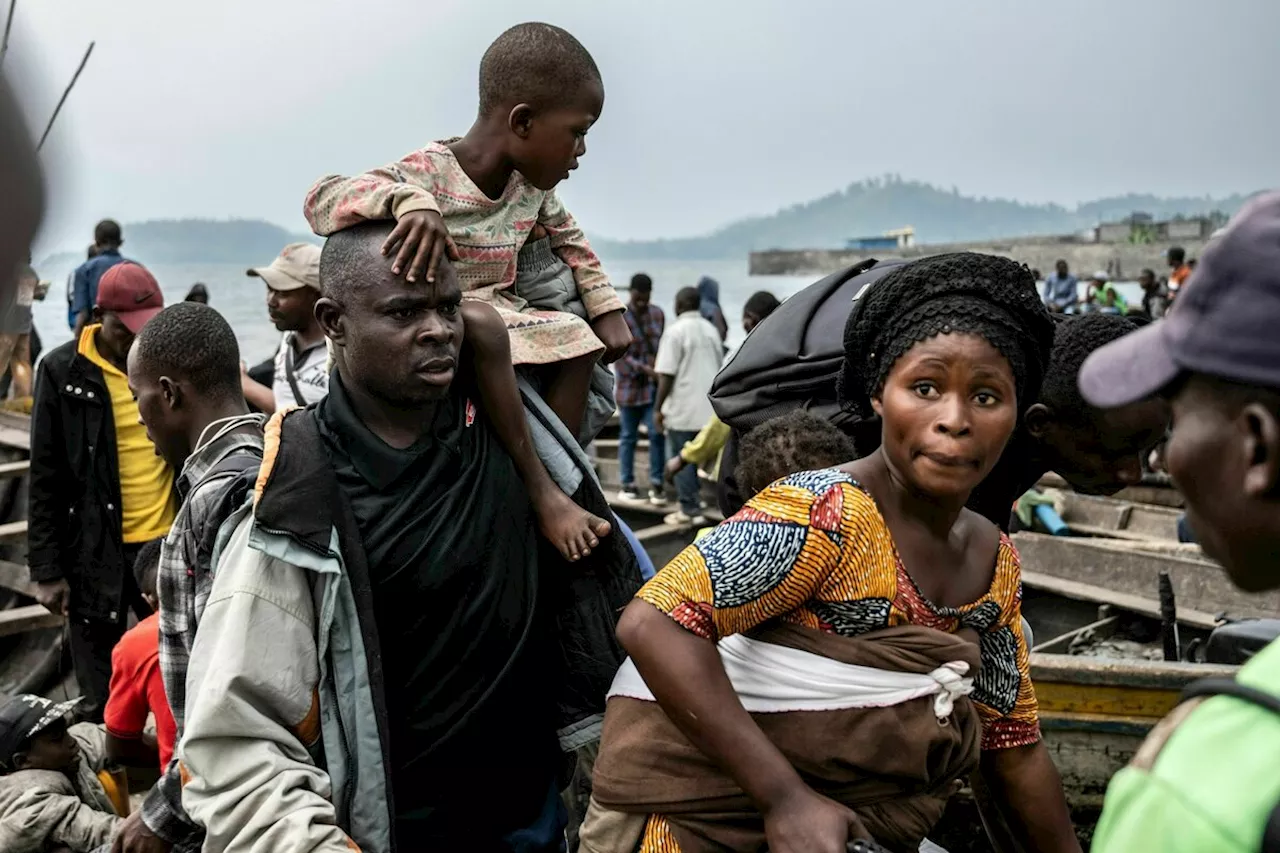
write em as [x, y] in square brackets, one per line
[807, 822]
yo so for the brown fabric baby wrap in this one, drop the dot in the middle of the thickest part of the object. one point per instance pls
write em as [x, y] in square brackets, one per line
[894, 766]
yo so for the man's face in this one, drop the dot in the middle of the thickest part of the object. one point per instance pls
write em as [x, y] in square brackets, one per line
[1062, 269]
[551, 142]
[400, 339]
[159, 412]
[1147, 279]
[52, 749]
[1215, 456]
[291, 310]
[640, 300]
[1100, 451]
[114, 338]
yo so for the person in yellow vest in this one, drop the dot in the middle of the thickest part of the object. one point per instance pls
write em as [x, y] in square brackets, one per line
[99, 491]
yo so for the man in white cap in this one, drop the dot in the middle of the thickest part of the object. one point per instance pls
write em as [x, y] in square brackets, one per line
[302, 362]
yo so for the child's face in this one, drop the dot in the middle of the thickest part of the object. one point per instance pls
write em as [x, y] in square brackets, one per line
[52, 749]
[1223, 458]
[549, 143]
[948, 408]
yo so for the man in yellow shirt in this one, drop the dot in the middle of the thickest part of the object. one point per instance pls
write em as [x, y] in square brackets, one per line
[99, 490]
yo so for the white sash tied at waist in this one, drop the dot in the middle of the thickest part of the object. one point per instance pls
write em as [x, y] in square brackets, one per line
[770, 678]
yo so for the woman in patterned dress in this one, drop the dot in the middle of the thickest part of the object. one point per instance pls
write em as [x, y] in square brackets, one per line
[944, 351]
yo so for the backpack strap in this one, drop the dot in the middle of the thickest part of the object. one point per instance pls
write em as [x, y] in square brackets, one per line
[1231, 687]
[238, 473]
[289, 374]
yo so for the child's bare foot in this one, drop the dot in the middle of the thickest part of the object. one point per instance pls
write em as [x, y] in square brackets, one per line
[569, 527]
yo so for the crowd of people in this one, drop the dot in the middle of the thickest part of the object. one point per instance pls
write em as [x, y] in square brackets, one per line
[370, 599]
[1062, 289]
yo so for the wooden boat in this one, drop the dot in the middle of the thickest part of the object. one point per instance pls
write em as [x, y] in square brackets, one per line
[31, 640]
[1116, 517]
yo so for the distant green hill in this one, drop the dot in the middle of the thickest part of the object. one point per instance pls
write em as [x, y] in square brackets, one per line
[184, 241]
[870, 207]
[862, 209]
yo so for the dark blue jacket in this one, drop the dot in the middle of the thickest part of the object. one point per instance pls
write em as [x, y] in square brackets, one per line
[84, 289]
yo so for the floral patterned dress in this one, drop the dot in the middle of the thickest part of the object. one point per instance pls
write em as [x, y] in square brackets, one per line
[488, 234]
[814, 550]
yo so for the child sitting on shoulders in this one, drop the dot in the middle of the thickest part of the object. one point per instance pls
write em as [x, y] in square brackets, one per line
[50, 796]
[477, 199]
[137, 686]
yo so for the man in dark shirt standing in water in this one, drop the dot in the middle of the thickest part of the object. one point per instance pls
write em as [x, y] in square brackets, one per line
[390, 525]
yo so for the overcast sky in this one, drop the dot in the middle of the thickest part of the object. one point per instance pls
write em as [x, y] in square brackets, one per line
[715, 109]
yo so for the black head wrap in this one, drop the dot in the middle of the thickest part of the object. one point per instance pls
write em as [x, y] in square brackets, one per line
[992, 297]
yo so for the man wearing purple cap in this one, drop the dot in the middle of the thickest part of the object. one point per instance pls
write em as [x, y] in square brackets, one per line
[302, 362]
[98, 489]
[1206, 778]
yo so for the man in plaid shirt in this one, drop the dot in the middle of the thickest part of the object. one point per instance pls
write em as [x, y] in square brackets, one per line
[636, 385]
[189, 397]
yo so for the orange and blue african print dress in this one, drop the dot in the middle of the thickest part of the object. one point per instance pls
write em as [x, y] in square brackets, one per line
[813, 549]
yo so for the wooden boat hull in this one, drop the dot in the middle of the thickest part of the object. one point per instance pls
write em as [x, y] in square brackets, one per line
[30, 637]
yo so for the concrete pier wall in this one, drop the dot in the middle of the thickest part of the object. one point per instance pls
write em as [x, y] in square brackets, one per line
[1122, 261]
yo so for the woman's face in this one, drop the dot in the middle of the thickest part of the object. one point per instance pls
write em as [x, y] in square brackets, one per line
[948, 406]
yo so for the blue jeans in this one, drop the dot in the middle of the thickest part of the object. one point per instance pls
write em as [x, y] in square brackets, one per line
[687, 486]
[631, 417]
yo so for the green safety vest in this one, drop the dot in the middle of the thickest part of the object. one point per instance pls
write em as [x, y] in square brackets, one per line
[1208, 776]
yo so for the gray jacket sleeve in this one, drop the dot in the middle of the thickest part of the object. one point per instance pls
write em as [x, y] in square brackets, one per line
[252, 712]
[48, 812]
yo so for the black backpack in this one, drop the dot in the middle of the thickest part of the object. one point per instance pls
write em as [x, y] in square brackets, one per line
[792, 359]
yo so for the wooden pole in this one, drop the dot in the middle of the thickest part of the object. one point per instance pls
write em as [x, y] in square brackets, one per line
[8, 26]
[63, 99]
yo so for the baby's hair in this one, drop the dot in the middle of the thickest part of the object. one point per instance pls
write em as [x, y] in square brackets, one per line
[797, 441]
[535, 64]
[1073, 340]
[146, 568]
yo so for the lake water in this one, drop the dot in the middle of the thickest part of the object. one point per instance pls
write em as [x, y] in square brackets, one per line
[241, 299]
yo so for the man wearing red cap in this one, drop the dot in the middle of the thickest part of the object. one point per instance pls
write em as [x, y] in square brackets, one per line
[99, 491]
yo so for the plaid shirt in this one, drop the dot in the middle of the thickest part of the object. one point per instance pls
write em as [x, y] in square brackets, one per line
[183, 582]
[634, 387]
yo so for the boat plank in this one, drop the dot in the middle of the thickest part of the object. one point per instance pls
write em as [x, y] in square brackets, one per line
[13, 530]
[1129, 570]
[16, 577]
[1102, 595]
[19, 620]
[15, 469]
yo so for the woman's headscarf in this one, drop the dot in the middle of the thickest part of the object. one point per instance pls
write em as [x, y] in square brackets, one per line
[709, 304]
[992, 297]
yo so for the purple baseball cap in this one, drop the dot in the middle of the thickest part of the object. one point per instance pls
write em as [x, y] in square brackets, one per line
[1226, 322]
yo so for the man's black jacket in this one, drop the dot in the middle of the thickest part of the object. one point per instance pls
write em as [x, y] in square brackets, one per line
[74, 516]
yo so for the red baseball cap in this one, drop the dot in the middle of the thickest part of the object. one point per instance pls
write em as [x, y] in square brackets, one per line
[130, 292]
